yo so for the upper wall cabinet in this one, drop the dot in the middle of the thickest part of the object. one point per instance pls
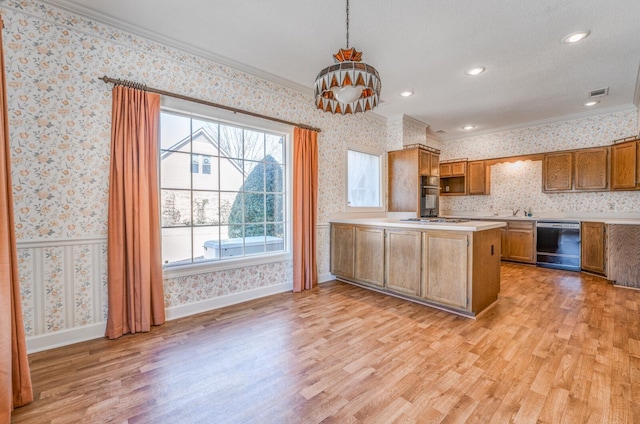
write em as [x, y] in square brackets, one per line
[453, 178]
[478, 178]
[557, 172]
[580, 170]
[625, 161]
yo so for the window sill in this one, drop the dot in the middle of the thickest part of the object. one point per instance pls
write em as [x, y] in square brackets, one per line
[214, 266]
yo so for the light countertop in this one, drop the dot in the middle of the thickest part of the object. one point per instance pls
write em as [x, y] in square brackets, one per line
[472, 225]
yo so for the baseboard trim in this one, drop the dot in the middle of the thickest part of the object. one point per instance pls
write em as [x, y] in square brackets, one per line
[70, 336]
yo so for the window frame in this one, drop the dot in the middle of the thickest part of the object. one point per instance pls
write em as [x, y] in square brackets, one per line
[381, 183]
[198, 111]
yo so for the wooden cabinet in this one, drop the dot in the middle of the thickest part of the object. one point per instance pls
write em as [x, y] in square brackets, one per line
[625, 161]
[623, 261]
[453, 180]
[428, 163]
[446, 268]
[591, 169]
[452, 270]
[478, 178]
[557, 172]
[404, 169]
[403, 261]
[518, 241]
[593, 247]
[369, 248]
[342, 250]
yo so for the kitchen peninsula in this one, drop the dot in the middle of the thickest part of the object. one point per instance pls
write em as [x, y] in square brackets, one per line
[453, 265]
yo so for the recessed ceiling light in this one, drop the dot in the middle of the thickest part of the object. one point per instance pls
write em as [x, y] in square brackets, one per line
[468, 127]
[406, 93]
[574, 37]
[475, 71]
[591, 103]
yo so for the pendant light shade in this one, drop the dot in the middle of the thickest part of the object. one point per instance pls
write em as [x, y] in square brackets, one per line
[348, 86]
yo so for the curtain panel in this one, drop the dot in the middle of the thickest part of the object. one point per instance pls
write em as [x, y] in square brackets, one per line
[15, 378]
[135, 286]
[305, 208]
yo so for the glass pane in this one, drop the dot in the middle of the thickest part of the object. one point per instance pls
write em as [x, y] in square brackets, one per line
[205, 137]
[253, 145]
[175, 170]
[276, 230]
[274, 177]
[207, 178]
[255, 177]
[236, 212]
[206, 209]
[231, 174]
[363, 179]
[253, 208]
[275, 208]
[253, 232]
[175, 208]
[206, 243]
[231, 202]
[176, 246]
[175, 132]
[230, 141]
[275, 147]
[232, 232]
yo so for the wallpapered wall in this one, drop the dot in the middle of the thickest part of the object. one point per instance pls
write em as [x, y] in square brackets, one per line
[519, 185]
[60, 134]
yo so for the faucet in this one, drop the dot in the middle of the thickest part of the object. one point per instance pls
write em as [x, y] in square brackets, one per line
[515, 212]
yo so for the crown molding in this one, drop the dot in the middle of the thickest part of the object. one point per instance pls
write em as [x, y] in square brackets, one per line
[564, 118]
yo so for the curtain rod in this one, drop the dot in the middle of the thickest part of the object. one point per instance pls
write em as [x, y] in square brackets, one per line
[139, 86]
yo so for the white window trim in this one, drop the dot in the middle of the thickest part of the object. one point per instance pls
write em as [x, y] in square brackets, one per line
[383, 172]
[197, 110]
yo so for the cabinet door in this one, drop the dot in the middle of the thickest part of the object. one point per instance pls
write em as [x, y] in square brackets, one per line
[435, 164]
[624, 166]
[521, 242]
[369, 262]
[403, 190]
[444, 261]
[557, 172]
[458, 168]
[478, 178]
[403, 250]
[342, 250]
[445, 169]
[593, 247]
[425, 163]
[591, 169]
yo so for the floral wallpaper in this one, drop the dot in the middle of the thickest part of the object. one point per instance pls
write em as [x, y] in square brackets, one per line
[59, 118]
[519, 185]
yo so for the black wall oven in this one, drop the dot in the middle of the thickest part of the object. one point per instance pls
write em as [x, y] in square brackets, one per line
[558, 245]
[429, 196]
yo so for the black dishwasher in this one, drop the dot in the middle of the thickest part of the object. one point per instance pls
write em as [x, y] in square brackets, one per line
[558, 245]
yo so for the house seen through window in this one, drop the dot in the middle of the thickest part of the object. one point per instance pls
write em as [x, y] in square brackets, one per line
[222, 190]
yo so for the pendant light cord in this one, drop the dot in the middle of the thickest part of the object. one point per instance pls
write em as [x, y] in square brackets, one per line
[347, 24]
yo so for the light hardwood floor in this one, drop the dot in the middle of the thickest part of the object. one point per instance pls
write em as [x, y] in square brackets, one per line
[557, 347]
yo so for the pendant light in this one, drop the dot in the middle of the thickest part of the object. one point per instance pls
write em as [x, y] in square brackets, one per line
[349, 85]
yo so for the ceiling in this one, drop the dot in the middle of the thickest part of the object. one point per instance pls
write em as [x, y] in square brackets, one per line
[422, 46]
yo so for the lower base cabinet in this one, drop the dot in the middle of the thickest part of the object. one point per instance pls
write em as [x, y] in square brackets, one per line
[452, 270]
[593, 247]
[445, 272]
[403, 261]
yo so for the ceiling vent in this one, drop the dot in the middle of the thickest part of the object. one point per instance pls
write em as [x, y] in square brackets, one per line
[441, 132]
[599, 93]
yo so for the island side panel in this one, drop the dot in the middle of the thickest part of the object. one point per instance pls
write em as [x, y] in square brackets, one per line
[485, 269]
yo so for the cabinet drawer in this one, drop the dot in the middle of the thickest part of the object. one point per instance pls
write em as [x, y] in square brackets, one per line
[521, 225]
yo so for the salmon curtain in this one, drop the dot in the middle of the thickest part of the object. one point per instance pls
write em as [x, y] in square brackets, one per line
[135, 291]
[305, 205]
[15, 379]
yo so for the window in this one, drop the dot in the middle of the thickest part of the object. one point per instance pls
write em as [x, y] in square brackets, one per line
[223, 190]
[364, 183]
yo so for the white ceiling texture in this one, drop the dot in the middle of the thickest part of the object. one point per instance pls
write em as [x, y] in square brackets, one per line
[423, 46]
